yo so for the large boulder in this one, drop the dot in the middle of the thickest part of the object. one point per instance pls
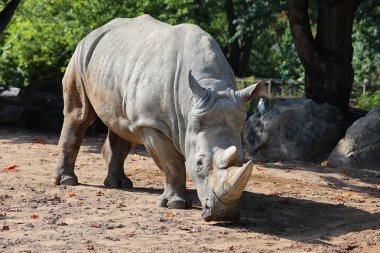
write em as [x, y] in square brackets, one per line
[360, 147]
[296, 129]
[11, 110]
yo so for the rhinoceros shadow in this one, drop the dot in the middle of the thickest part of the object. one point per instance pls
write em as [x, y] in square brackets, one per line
[292, 218]
[300, 219]
[345, 179]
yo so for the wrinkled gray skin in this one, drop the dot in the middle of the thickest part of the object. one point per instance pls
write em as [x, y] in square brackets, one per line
[170, 88]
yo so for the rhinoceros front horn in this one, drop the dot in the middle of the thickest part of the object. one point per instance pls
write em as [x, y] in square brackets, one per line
[231, 182]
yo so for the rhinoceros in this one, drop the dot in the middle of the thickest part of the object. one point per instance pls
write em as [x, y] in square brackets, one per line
[171, 89]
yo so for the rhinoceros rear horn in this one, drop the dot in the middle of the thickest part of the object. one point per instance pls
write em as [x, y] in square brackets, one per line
[198, 91]
[230, 185]
[226, 158]
[252, 91]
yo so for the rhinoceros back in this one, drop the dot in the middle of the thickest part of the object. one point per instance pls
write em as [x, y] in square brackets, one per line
[135, 73]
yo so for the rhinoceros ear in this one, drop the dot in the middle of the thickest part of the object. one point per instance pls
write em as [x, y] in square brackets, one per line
[252, 91]
[198, 91]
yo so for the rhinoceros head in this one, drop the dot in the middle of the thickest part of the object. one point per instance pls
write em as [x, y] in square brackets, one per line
[214, 155]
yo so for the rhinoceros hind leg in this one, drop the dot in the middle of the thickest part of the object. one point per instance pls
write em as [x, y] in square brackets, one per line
[69, 144]
[172, 163]
[79, 115]
[114, 152]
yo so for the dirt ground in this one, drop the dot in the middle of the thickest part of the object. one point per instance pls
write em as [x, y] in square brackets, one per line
[286, 207]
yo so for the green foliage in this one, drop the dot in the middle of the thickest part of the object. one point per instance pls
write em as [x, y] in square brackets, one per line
[369, 101]
[43, 34]
[366, 58]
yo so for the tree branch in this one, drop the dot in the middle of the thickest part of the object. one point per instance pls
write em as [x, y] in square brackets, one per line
[7, 13]
[301, 33]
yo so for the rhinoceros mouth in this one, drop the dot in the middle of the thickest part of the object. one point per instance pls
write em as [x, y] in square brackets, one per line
[216, 210]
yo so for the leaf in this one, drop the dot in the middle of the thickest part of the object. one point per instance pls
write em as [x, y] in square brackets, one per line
[34, 216]
[231, 248]
[5, 228]
[346, 194]
[326, 164]
[132, 234]
[259, 169]
[72, 195]
[38, 140]
[170, 215]
[10, 168]
[340, 200]
[96, 225]
[99, 193]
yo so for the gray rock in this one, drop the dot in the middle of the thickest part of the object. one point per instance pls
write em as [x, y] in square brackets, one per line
[8, 91]
[360, 147]
[296, 129]
[10, 114]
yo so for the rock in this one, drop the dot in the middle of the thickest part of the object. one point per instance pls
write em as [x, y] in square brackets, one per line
[8, 91]
[11, 109]
[296, 129]
[360, 147]
[10, 114]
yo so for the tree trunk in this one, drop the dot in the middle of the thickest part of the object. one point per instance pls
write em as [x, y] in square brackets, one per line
[238, 51]
[327, 58]
[7, 13]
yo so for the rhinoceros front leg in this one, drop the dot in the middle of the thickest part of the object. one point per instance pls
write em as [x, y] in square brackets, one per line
[172, 164]
[114, 152]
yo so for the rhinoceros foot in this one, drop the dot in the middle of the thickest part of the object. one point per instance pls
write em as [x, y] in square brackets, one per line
[66, 180]
[118, 182]
[174, 200]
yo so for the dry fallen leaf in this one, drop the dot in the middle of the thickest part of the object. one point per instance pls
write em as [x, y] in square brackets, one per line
[40, 141]
[346, 194]
[326, 164]
[132, 234]
[258, 168]
[340, 200]
[99, 193]
[34, 216]
[72, 194]
[170, 215]
[10, 168]
[5, 228]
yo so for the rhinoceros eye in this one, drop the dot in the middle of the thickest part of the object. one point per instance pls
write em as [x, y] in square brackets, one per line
[202, 167]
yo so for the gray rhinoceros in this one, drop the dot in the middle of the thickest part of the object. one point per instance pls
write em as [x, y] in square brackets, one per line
[170, 88]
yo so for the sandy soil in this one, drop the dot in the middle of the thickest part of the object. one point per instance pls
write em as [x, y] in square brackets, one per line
[286, 207]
